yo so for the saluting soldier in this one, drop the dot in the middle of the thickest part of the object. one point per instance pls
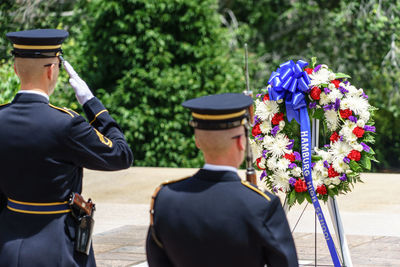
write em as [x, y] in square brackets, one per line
[43, 149]
[213, 218]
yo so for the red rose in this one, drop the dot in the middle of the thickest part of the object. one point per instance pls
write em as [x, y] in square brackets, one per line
[266, 97]
[334, 137]
[277, 118]
[345, 113]
[336, 83]
[290, 157]
[332, 172]
[358, 131]
[354, 155]
[256, 130]
[315, 93]
[308, 70]
[300, 186]
[321, 190]
[258, 161]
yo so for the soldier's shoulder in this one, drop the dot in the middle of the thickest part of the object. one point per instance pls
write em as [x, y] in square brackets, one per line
[257, 191]
[4, 105]
[71, 113]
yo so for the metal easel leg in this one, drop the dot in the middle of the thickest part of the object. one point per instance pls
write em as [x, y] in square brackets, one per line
[341, 237]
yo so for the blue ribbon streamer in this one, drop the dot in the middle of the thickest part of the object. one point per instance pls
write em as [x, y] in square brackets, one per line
[289, 83]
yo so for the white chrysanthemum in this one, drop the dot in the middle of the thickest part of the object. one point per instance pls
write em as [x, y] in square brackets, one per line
[283, 164]
[268, 141]
[281, 124]
[365, 115]
[324, 99]
[256, 149]
[335, 180]
[324, 154]
[332, 76]
[347, 131]
[281, 179]
[339, 150]
[265, 127]
[340, 166]
[358, 105]
[361, 123]
[262, 163]
[331, 86]
[319, 167]
[265, 111]
[320, 77]
[334, 94]
[332, 119]
[317, 177]
[353, 91]
[271, 164]
[278, 147]
[296, 172]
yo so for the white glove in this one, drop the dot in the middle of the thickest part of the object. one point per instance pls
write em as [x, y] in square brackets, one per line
[82, 91]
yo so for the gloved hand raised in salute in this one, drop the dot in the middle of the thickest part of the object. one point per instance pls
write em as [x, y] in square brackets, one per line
[82, 91]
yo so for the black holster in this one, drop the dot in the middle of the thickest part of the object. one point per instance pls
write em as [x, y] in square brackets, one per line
[84, 231]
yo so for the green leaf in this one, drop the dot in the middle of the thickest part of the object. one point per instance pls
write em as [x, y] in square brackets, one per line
[340, 75]
[354, 166]
[313, 62]
[365, 162]
[319, 114]
[315, 158]
[292, 197]
[301, 197]
[307, 195]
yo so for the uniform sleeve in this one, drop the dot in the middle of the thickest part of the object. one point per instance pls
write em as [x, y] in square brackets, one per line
[156, 255]
[279, 249]
[99, 144]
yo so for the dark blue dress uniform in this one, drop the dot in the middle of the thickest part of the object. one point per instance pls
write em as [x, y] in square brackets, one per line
[43, 150]
[213, 218]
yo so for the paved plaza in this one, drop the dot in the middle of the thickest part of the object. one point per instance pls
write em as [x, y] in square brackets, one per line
[370, 216]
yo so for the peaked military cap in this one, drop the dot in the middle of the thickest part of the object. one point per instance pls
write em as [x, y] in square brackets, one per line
[219, 112]
[39, 43]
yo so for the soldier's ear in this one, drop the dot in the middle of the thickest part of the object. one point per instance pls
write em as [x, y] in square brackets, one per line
[241, 142]
[197, 142]
[50, 71]
[15, 70]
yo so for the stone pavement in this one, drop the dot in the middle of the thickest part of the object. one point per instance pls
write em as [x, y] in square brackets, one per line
[370, 215]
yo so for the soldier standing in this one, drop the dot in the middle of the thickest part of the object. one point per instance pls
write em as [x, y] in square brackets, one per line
[213, 218]
[43, 150]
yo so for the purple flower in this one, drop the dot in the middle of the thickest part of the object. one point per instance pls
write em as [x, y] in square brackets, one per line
[312, 165]
[275, 189]
[327, 146]
[343, 90]
[341, 138]
[291, 144]
[353, 119]
[264, 154]
[297, 155]
[343, 177]
[365, 147]
[259, 137]
[263, 174]
[327, 90]
[292, 165]
[258, 95]
[326, 164]
[317, 68]
[312, 105]
[275, 130]
[328, 107]
[364, 95]
[346, 82]
[292, 181]
[346, 160]
[369, 128]
[337, 104]
[256, 120]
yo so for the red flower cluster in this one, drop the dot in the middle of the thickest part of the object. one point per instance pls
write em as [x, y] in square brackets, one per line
[308, 70]
[256, 130]
[258, 161]
[345, 113]
[290, 157]
[359, 132]
[266, 98]
[315, 93]
[332, 172]
[336, 83]
[334, 137]
[300, 186]
[277, 118]
[354, 155]
[321, 190]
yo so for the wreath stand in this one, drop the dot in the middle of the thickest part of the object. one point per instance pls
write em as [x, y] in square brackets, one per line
[333, 210]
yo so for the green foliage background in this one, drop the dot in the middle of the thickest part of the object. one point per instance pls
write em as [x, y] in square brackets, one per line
[143, 58]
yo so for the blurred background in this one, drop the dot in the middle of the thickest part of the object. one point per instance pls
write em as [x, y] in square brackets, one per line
[143, 58]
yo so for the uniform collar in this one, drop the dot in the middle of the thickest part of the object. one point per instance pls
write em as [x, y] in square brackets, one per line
[23, 96]
[217, 176]
[212, 167]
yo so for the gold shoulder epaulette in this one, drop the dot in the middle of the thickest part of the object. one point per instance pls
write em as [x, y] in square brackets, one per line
[69, 112]
[256, 189]
[175, 181]
[5, 104]
[72, 111]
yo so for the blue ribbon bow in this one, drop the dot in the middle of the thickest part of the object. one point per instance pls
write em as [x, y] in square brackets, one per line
[289, 82]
